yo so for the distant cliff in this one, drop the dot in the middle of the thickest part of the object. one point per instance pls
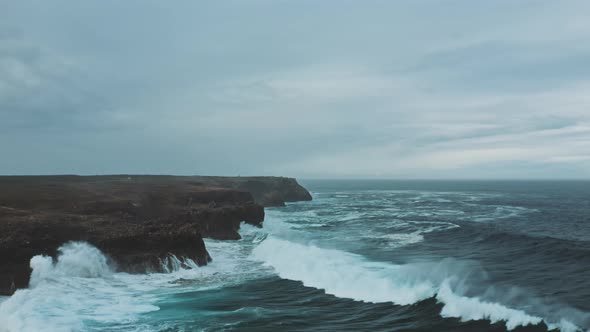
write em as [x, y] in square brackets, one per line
[266, 190]
[135, 220]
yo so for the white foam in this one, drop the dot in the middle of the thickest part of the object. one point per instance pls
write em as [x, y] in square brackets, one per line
[78, 288]
[342, 274]
[397, 240]
[80, 292]
[473, 308]
[315, 225]
[502, 212]
[347, 275]
[76, 259]
[564, 325]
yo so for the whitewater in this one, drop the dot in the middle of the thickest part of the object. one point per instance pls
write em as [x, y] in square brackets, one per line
[358, 257]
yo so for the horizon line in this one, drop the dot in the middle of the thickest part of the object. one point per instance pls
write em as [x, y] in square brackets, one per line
[303, 178]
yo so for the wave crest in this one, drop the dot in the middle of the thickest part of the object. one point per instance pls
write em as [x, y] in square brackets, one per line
[347, 275]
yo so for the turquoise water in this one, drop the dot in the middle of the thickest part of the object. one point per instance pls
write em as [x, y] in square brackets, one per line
[363, 256]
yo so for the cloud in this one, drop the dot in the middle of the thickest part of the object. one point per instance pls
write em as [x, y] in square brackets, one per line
[43, 89]
[420, 89]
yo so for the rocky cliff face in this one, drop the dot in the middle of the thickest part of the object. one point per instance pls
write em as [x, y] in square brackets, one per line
[266, 190]
[135, 220]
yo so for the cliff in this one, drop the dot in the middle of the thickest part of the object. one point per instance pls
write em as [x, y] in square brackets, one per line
[267, 191]
[135, 220]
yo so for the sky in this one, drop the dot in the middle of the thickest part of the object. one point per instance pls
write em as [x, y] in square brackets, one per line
[431, 89]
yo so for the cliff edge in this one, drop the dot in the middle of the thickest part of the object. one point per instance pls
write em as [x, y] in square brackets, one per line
[266, 190]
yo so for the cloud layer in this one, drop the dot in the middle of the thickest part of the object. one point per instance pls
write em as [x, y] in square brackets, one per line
[416, 89]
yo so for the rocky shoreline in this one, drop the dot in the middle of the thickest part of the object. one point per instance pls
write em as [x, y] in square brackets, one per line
[135, 220]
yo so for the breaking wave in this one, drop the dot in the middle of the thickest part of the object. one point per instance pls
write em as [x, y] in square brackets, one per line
[63, 295]
[348, 275]
[79, 291]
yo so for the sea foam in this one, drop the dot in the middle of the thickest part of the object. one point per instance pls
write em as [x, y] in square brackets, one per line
[79, 287]
[348, 275]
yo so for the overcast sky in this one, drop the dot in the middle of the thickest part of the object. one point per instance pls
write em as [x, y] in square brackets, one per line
[312, 89]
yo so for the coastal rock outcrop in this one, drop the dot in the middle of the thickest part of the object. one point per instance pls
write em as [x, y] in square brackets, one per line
[266, 190]
[135, 220]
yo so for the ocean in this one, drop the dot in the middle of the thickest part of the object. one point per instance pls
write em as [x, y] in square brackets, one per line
[362, 256]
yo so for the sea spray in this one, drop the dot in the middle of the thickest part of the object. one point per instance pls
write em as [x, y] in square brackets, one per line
[65, 295]
[171, 263]
[75, 259]
[472, 308]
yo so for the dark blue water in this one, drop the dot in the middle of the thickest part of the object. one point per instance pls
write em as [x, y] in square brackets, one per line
[362, 256]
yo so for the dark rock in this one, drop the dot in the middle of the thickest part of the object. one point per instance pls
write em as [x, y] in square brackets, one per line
[266, 190]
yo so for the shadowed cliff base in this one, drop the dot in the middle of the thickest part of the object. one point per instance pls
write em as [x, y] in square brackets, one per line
[136, 220]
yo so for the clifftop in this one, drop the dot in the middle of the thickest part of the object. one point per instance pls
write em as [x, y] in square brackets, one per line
[266, 190]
